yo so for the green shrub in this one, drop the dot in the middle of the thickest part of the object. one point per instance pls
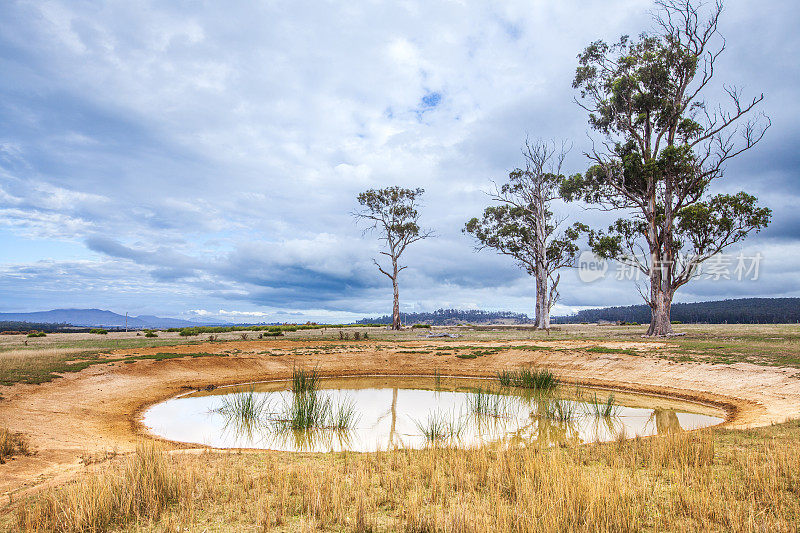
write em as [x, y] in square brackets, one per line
[37, 334]
[99, 331]
[151, 334]
[421, 326]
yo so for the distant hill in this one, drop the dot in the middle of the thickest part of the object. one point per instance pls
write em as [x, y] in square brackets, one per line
[94, 318]
[739, 311]
[449, 317]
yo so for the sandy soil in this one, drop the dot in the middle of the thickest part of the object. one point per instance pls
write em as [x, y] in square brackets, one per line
[69, 420]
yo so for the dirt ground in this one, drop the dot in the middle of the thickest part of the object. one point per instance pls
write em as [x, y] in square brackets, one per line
[74, 420]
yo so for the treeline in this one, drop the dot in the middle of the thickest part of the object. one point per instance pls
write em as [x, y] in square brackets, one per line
[25, 327]
[449, 317]
[739, 311]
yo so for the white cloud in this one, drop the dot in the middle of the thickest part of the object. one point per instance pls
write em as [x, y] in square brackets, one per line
[224, 146]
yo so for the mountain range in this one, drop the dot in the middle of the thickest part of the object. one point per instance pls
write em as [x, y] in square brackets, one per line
[95, 318]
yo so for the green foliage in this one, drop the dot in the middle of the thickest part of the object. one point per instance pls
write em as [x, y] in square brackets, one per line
[524, 205]
[739, 311]
[393, 210]
[151, 334]
[421, 326]
[445, 317]
[664, 146]
[99, 331]
[37, 334]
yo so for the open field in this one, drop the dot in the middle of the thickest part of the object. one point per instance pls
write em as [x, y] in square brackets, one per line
[84, 426]
[25, 360]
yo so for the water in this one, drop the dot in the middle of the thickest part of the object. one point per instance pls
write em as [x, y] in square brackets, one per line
[395, 412]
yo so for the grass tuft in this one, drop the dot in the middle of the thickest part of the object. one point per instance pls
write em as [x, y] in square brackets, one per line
[528, 378]
[600, 409]
[441, 428]
[12, 444]
[141, 488]
[304, 381]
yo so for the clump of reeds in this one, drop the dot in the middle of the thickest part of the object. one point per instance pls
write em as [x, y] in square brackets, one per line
[343, 416]
[488, 403]
[603, 409]
[528, 378]
[304, 381]
[441, 428]
[307, 410]
[558, 410]
[245, 405]
[313, 411]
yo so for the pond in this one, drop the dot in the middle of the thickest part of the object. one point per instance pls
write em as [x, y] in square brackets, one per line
[379, 413]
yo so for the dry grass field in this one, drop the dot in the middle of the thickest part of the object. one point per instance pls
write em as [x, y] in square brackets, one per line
[717, 479]
[714, 480]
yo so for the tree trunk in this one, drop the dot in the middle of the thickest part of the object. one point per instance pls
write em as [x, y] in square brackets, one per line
[396, 306]
[661, 306]
[542, 318]
[660, 286]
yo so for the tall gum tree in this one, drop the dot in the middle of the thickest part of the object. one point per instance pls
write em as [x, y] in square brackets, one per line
[524, 227]
[663, 146]
[393, 213]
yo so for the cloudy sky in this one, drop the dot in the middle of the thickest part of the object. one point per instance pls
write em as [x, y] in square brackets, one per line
[194, 158]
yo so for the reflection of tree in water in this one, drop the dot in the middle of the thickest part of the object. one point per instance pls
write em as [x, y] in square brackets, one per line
[666, 420]
[532, 418]
[395, 441]
[532, 427]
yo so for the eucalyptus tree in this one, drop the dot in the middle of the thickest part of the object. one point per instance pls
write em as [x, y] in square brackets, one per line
[393, 213]
[524, 227]
[663, 147]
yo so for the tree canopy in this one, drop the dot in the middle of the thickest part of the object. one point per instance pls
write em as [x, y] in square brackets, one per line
[663, 146]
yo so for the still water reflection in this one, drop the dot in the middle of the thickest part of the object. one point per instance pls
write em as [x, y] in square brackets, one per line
[415, 412]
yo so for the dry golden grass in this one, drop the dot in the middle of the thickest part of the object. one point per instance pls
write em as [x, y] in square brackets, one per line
[139, 488]
[11, 444]
[707, 480]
